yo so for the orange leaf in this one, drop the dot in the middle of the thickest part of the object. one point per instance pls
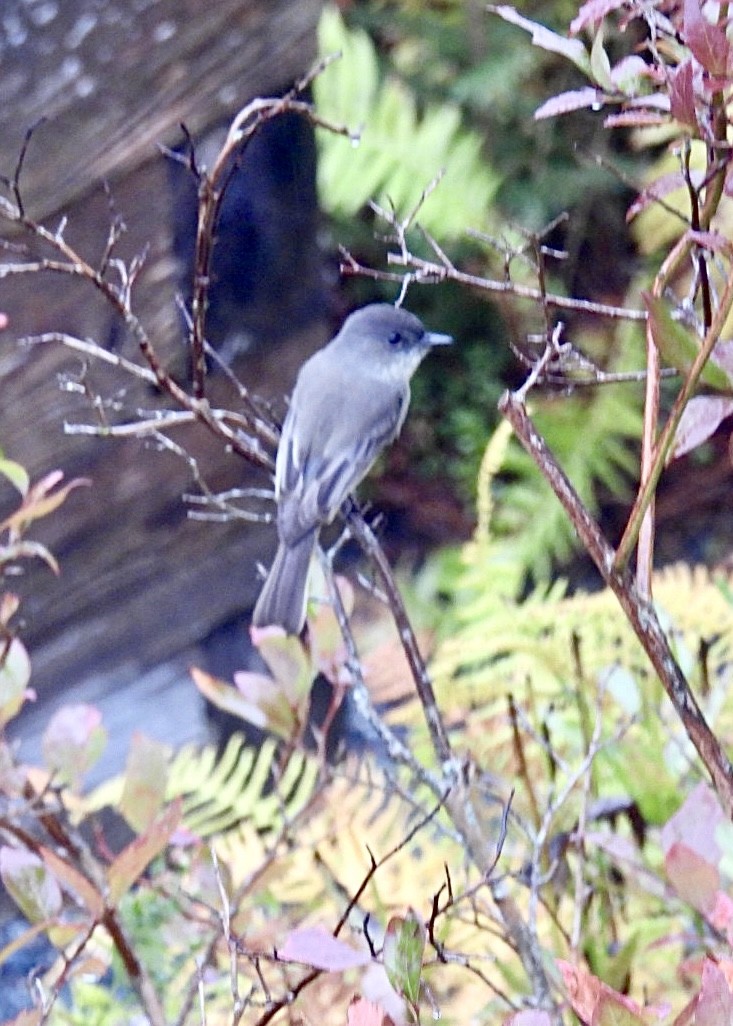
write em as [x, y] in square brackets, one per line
[75, 882]
[133, 860]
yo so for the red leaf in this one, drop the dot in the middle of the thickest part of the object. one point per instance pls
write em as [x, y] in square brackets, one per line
[721, 916]
[652, 101]
[73, 741]
[682, 94]
[230, 699]
[715, 1001]
[594, 1001]
[701, 418]
[74, 881]
[656, 190]
[634, 119]
[583, 989]
[365, 1013]
[708, 42]
[695, 879]
[529, 1017]
[592, 12]
[695, 824]
[716, 243]
[563, 103]
[316, 947]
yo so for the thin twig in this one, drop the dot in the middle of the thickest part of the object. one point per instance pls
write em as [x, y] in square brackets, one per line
[436, 727]
[397, 751]
[423, 272]
[212, 189]
[119, 299]
[554, 806]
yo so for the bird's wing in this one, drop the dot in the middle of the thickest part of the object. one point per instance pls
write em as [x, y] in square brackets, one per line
[320, 462]
[348, 460]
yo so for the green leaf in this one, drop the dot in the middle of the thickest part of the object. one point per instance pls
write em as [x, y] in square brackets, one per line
[223, 789]
[593, 439]
[16, 474]
[600, 64]
[15, 673]
[30, 884]
[146, 779]
[615, 967]
[678, 346]
[638, 767]
[351, 95]
[404, 944]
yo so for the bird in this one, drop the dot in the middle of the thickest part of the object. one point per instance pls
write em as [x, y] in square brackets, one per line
[350, 401]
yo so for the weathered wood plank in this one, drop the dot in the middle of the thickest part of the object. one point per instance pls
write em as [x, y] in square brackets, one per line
[114, 78]
[141, 585]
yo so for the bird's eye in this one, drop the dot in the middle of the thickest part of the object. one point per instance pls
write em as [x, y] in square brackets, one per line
[395, 338]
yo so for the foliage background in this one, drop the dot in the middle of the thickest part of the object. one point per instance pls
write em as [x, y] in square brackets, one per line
[546, 690]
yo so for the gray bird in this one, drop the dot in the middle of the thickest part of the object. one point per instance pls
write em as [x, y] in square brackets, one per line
[349, 402]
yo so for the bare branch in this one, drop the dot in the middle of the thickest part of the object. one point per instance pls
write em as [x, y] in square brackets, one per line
[212, 188]
[421, 271]
[438, 734]
[398, 752]
[639, 611]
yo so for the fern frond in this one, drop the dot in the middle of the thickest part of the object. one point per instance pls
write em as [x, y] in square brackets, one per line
[220, 791]
[400, 150]
[560, 656]
[491, 463]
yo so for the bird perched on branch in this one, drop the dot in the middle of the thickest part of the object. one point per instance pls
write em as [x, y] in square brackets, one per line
[350, 401]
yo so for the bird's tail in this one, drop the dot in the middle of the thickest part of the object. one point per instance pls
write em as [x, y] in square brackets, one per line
[283, 597]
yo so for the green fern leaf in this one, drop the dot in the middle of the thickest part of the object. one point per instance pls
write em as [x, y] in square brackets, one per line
[220, 792]
[401, 150]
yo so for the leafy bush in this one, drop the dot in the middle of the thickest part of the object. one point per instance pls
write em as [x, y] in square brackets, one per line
[533, 839]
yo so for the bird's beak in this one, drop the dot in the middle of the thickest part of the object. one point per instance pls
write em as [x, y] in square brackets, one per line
[432, 338]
